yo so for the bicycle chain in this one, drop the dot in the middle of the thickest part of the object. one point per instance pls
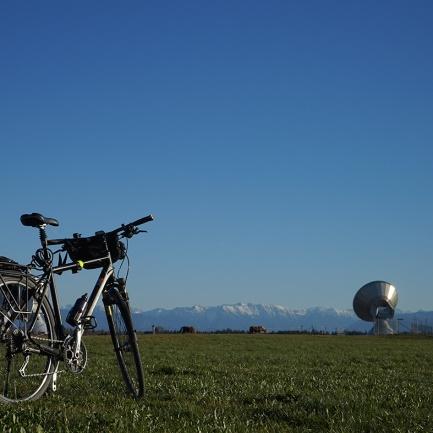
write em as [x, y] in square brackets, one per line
[44, 374]
[46, 339]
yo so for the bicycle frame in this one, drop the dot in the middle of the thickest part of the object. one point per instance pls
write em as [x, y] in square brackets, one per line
[47, 281]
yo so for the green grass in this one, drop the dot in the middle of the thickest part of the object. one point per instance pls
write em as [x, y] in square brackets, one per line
[245, 383]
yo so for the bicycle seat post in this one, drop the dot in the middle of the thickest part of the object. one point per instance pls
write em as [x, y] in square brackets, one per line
[43, 238]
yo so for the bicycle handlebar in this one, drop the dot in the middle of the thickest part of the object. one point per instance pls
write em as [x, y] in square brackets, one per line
[123, 227]
[143, 220]
[140, 221]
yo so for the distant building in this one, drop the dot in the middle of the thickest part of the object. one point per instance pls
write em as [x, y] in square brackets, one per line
[258, 329]
[187, 330]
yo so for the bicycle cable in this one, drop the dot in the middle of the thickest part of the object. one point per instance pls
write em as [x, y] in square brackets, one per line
[123, 260]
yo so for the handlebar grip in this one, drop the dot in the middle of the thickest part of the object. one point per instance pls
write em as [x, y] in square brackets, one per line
[143, 220]
[124, 227]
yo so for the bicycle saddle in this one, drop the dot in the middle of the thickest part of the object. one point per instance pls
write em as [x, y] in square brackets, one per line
[37, 220]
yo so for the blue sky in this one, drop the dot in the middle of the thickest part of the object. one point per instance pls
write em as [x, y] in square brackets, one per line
[285, 148]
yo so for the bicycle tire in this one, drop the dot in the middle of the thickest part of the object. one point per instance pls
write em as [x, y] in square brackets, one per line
[124, 341]
[17, 308]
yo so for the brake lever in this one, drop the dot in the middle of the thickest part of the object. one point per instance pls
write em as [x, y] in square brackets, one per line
[131, 231]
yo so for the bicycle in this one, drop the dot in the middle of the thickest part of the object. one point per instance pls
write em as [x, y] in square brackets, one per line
[34, 341]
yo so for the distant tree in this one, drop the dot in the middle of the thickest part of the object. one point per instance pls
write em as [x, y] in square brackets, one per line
[160, 330]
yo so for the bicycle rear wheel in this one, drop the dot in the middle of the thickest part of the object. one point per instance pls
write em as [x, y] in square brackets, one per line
[125, 341]
[25, 372]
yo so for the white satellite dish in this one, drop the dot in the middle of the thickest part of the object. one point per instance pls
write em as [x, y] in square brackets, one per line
[376, 302]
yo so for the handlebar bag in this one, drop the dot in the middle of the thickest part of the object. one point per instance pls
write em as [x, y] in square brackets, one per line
[93, 247]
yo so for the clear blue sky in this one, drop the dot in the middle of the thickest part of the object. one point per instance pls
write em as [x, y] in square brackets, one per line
[285, 148]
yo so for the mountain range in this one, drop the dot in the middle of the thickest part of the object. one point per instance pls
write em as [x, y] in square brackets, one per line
[273, 317]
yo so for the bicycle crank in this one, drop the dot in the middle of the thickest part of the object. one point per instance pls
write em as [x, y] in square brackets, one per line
[75, 361]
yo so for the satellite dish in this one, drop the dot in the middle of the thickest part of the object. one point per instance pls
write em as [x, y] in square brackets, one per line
[375, 301]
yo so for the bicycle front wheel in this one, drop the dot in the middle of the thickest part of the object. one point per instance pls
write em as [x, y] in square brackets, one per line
[25, 371]
[125, 341]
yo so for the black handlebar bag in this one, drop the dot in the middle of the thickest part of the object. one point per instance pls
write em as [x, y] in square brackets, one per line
[93, 248]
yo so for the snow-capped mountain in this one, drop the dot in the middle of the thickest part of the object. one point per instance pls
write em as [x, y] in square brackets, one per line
[241, 316]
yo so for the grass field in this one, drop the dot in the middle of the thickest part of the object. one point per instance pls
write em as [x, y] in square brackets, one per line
[245, 383]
